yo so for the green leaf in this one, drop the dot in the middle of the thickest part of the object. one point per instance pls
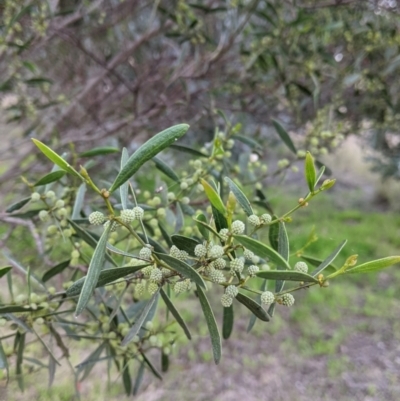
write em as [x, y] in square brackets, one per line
[184, 243]
[309, 171]
[240, 197]
[124, 188]
[254, 307]
[175, 313]
[139, 379]
[134, 330]
[94, 270]
[183, 268]
[262, 250]
[147, 151]
[289, 275]
[179, 218]
[284, 136]
[219, 218]
[55, 270]
[328, 261]
[155, 372]
[319, 175]
[16, 309]
[88, 364]
[106, 276]
[247, 141]
[4, 270]
[164, 362]
[56, 159]
[211, 324]
[164, 168]
[51, 177]
[227, 322]
[83, 234]
[126, 377]
[213, 196]
[317, 261]
[253, 317]
[327, 170]
[165, 235]
[20, 358]
[186, 149]
[204, 228]
[283, 250]
[78, 204]
[374, 265]
[105, 150]
[157, 246]
[3, 358]
[18, 205]
[273, 234]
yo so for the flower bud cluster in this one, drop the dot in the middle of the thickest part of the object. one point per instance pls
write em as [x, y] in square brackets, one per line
[178, 254]
[182, 286]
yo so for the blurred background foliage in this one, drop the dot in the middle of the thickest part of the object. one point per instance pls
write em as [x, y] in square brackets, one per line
[83, 71]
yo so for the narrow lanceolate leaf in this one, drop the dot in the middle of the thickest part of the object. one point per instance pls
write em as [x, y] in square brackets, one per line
[139, 379]
[204, 228]
[56, 159]
[51, 177]
[316, 262]
[327, 262]
[273, 234]
[165, 235]
[253, 317]
[375, 265]
[283, 250]
[183, 268]
[179, 218]
[319, 175]
[155, 372]
[3, 358]
[309, 171]
[18, 205]
[83, 234]
[184, 243]
[289, 275]
[94, 270]
[147, 151]
[16, 309]
[227, 322]
[240, 197]
[191, 151]
[164, 362]
[219, 219]
[213, 196]
[126, 377]
[175, 313]
[284, 136]
[211, 324]
[78, 204]
[55, 270]
[253, 306]
[104, 150]
[283, 241]
[262, 250]
[20, 359]
[124, 188]
[164, 168]
[106, 276]
[134, 330]
[4, 270]
[247, 141]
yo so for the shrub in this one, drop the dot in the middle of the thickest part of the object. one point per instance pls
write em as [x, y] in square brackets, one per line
[114, 257]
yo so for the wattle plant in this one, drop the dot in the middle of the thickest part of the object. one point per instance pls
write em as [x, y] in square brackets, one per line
[122, 252]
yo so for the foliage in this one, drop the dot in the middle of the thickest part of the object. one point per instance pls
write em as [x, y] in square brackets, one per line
[79, 71]
[149, 249]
